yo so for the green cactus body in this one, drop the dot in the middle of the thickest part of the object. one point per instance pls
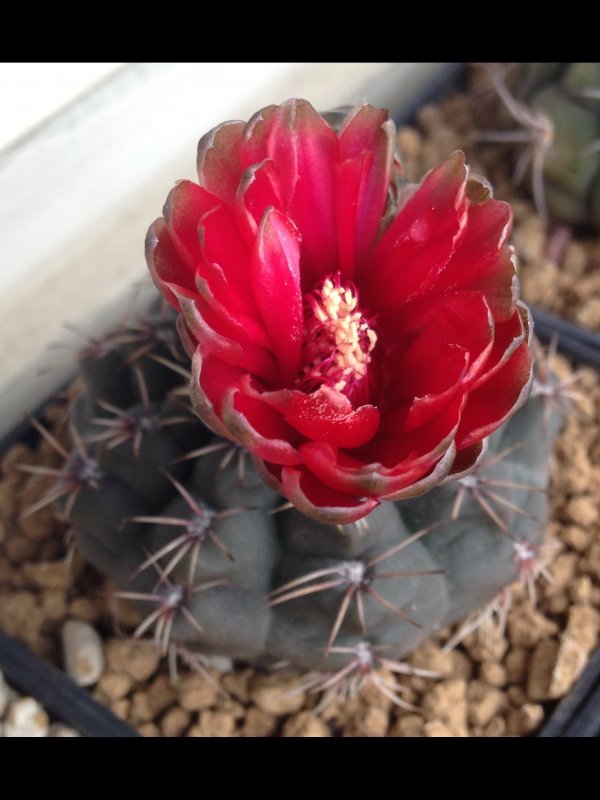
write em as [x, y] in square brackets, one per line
[202, 548]
[569, 94]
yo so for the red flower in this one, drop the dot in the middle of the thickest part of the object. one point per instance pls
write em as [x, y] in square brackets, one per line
[358, 357]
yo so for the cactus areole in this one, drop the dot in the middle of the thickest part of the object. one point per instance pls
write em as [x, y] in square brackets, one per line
[354, 340]
[360, 337]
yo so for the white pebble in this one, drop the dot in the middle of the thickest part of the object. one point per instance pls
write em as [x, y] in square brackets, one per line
[26, 718]
[220, 664]
[58, 729]
[82, 651]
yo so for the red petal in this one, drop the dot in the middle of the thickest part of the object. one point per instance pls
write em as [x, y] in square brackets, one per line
[421, 239]
[313, 498]
[499, 397]
[488, 226]
[186, 204]
[218, 161]
[305, 150]
[275, 278]
[166, 267]
[327, 416]
[366, 145]
[260, 428]
[258, 190]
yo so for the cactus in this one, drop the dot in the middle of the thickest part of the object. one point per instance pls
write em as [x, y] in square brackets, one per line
[215, 561]
[558, 106]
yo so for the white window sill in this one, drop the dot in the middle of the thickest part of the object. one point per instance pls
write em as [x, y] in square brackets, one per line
[78, 193]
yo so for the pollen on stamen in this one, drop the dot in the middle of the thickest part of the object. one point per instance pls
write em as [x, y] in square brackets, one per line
[338, 339]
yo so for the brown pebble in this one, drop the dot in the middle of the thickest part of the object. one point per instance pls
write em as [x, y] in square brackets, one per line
[462, 666]
[484, 702]
[259, 723]
[557, 604]
[371, 722]
[575, 537]
[141, 710]
[582, 510]
[583, 625]
[541, 668]
[580, 590]
[592, 560]
[306, 724]
[277, 693]
[138, 658]
[447, 702]
[213, 723]
[437, 728]
[121, 708]
[529, 238]
[495, 727]
[430, 655]
[569, 664]
[148, 729]
[196, 692]
[524, 720]
[488, 646]
[493, 674]
[409, 143]
[161, 694]
[20, 550]
[83, 608]
[48, 574]
[54, 604]
[588, 314]
[114, 685]
[174, 722]
[527, 626]
[237, 683]
[562, 570]
[516, 696]
[20, 615]
[408, 725]
[575, 259]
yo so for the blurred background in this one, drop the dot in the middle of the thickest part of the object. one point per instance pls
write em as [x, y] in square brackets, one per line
[88, 153]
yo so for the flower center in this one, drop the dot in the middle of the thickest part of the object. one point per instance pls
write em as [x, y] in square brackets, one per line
[338, 339]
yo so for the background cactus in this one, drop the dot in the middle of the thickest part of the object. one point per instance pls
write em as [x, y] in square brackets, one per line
[565, 152]
[215, 561]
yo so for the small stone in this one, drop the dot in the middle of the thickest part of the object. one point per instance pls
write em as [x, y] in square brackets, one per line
[114, 685]
[592, 561]
[569, 664]
[237, 684]
[447, 703]
[582, 510]
[524, 720]
[488, 646]
[121, 708]
[48, 574]
[213, 723]
[174, 722]
[141, 711]
[149, 729]
[575, 259]
[259, 723]
[138, 658]
[462, 666]
[371, 722]
[484, 703]
[583, 625]
[54, 604]
[83, 608]
[495, 727]
[161, 694]
[580, 590]
[306, 724]
[493, 674]
[562, 570]
[82, 652]
[541, 669]
[26, 718]
[575, 537]
[431, 656]
[557, 604]
[526, 627]
[437, 728]
[59, 731]
[529, 238]
[21, 615]
[408, 725]
[277, 693]
[516, 696]
[588, 314]
[196, 692]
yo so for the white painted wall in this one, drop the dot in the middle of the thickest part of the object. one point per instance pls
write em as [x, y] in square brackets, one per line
[78, 192]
